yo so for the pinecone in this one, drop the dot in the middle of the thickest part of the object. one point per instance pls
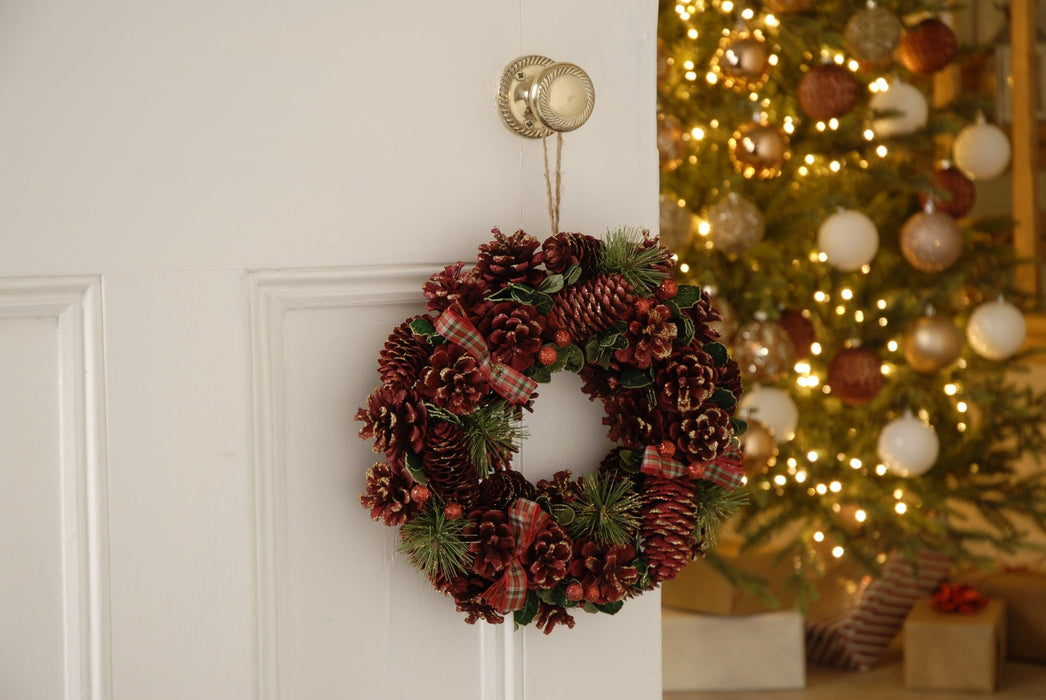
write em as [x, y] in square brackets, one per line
[667, 526]
[566, 249]
[547, 560]
[395, 419]
[501, 489]
[701, 435]
[728, 377]
[685, 380]
[403, 357]
[454, 284]
[632, 421]
[703, 313]
[549, 616]
[491, 542]
[511, 259]
[562, 489]
[513, 333]
[650, 336]
[591, 306]
[387, 494]
[448, 465]
[466, 591]
[605, 573]
[453, 380]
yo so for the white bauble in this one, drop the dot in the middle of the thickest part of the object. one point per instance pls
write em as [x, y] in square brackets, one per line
[848, 239]
[981, 151]
[774, 408]
[905, 99]
[996, 330]
[907, 446]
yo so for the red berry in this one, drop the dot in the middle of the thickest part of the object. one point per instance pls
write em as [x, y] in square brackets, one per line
[592, 593]
[696, 471]
[562, 338]
[419, 493]
[668, 289]
[643, 305]
[666, 448]
[548, 355]
[575, 592]
[452, 511]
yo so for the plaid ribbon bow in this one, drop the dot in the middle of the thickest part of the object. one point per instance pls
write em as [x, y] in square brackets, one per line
[725, 470]
[509, 592]
[512, 385]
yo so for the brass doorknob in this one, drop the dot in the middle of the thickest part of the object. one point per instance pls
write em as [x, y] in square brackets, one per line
[537, 96]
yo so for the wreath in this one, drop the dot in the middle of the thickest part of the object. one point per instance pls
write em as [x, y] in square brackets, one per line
[447, 416]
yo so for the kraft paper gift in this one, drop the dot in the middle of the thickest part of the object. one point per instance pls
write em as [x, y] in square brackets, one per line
[950, 651]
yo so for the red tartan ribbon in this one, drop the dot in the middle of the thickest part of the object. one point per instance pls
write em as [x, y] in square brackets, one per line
[958, 598]
[725, 470]
[512, 385]
[509, 592]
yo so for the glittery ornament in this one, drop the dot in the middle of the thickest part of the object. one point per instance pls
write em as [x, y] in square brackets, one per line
[903, 107]
[669, 142]
[759, 449]
[676, 223]
[786, 6]
[958, 192]
[742, 61]
[855, 375]
[931, 343]
[736, 224]
[827, 91]
[758, 150]
[872, 34]
[727, 325]
[763, 351]
[931, 241]
[928, 46]
[800, 329]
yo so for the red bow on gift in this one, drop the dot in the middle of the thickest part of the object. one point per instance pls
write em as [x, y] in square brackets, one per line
[958, 598]
[725, 470]
[509, 592]
[514, 386]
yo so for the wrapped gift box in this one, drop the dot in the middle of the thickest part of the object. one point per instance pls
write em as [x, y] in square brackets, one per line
[1024, 593]
[735, 652]
[949, 651]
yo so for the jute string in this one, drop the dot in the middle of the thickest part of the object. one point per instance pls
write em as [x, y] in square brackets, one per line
[551, 193]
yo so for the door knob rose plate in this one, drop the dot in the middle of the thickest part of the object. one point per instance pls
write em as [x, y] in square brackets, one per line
[537, 96]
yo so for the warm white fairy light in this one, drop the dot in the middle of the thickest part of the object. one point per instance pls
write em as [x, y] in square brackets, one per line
[835, 487]
[846, 293]
[961, 407]
[800, 476]
[860, 516]
[803, 170]
[885, 369]
[883, 322]
[820, 126]
[859, 316]
[838, 551]
[840, 310]
[869, 135]
[856, 463]
[892, 346]
[692, 33]
[811, 455]
[727, 6]
[748, 13]
[772, 21]
[780, 480]
[697, 132]
[951, 389]
[773, 59]
[684, 268]
[821, 489]
[833, 123]
[881, 151]
[704, 228]
[802, 367]
[711, 77]
[819, 295]
[854, 65]
[818, 536]
[690, 75]
[815, 348]
[880, 469]
[901, 508]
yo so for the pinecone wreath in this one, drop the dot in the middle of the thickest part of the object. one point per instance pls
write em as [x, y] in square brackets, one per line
[446, 420]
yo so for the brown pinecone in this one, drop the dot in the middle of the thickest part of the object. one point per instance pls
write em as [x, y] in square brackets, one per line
[547, 560]
[453, 380]
[685, 380]
[395, 419]
[549, 616]
[566, 249]
[703, 313]
[387, 494]
[501, 489]
[561, 489]
[513, 333]
[448, 465]
[605, 574]
[728, 377]
[667, 526]
[701, 435]
[454, 284]
[591, 306]
[491, 541]
[511, 259]
[632, 422]
[466, 591]
[403, 357]
[650, 336]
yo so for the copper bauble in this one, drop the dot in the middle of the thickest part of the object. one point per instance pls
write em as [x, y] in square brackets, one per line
[958, 192]
[759, 448]
[855, 375]
[800, 329]
[928, 46]
[736, 224]
[758, 150]
[931, 241]
[742, 61]
[872, 34]
[931, 343]
[827, 91]
[763, 351]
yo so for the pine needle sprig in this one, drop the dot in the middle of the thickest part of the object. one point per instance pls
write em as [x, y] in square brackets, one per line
[492, 432]
[644, 267]
[436, 544]
[606, 511]
[715, 505]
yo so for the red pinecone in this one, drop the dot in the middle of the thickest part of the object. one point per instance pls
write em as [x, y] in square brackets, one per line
[704, 314]
[466, 591]
[387, 494]
[566, 249]
[403, 357]
[547, 560]
[395, 419]
[549, 616]
[511, 259]
[513, 333]
[650, 336]
[632, 422]
[448, 465]
[561, 489]
[501, 489]
[667, 526]
[454, 284]
[701, 435]
[491, 541]
[592, 306]
[685, 380]
[728, 377]
[606, 573]
[453, 380]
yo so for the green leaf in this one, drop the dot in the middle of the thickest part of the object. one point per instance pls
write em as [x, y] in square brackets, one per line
[590, 608]
[739, 425]
[723, 398]
[525, 615]
[573, 358]
[718, 352]
[563, 514]
[611, 608]
[425, 328]
[539, 374]
[685, 329]
[630, 460]
[415, 467]
[541, 301]
[572, 275]
[552, 284]
[633, 378]
[687, 296]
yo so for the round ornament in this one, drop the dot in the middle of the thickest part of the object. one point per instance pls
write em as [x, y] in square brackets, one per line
[676, 223]
[774, 408]
[855, 375]
[759, 449]
[446, 420]
[958, 192]
[931, 241]
[907, 446]
[928, 46]
[736, 224]
[982, 151]
[848, 239]
[786, 6]
[872, 34]
[764, 351]
[742, 61]
[996, 330]
[827, 91]
[903, 108]
[931, 343]
[800, 329]
[726, 326]
[758, 150]
[669, 142]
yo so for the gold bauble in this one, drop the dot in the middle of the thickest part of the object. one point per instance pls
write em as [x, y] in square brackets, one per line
[931, 241]
[931, 343]
[759, 449]
[873, 33]
[758, 150]
[726, 326]
[742, 61]
[764, 351]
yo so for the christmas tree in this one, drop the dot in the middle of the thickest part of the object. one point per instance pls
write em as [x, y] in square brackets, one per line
[813, 184]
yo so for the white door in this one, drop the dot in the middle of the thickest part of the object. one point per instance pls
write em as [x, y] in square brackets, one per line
[212, 213]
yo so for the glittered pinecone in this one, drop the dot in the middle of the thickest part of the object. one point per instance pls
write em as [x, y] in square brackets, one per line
[448, 465]
[387, 494]
[547, 560]
[728, 377]
[513, 333]
[591, 306]
[501, 489]
[928, 46]
[667, 526]
[704, 314]
[566, 249]
[606, 574]
[827, 91]
[467, 592]
[959, 192]
[395, 419]
[453, 380]
[454, 284]
[491, 542]
[561, 488]
[650, 335]
[700, 436]
[685, 379]
[631, 421]
[403, 357]
[549, 616]
[510, 259]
